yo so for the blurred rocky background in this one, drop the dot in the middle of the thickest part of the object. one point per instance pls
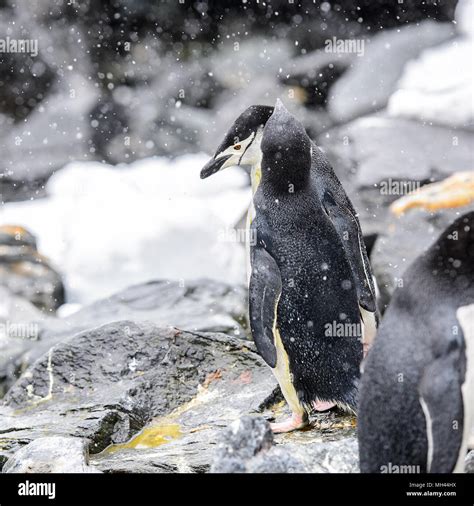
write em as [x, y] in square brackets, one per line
[103, 217]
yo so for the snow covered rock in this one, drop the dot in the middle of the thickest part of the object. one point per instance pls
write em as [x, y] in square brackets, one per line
[373, 76]
[437, 87]
[378, 148]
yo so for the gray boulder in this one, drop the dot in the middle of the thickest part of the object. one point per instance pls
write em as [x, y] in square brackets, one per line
[373, 76]
[53, 454]
[201, 305]
[403, 240]
[26, 273]
[379, 148]
[33, 151]
[245, 438]
[470, 462]
[19, 331]
[315, 73]
[248, 446]
[152, 399]
[377, 152]
[106, 384]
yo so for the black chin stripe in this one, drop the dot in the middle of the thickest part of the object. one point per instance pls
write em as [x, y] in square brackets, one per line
[245, 150]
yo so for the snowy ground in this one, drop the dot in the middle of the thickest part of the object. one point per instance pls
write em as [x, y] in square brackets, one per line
[105, 228]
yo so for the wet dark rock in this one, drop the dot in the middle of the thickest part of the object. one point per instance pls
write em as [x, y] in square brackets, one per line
[26, 78]
[315, 73]
[26, 273]
[403, 240]
[202, 305]
[54, 134]
[137, 121]
[372, 78]
[108, 120]
[245, 438]
[205, 423]
[149, 398]
[18, 333]
[52, 99]
[370, 154]
[248, 446]
[470, 462]
[51, 454]
[105, 384]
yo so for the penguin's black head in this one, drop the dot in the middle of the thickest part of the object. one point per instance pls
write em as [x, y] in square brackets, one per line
[241, 145]
[286, 148]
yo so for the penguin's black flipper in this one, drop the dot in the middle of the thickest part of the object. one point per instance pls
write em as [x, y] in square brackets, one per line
[264, 292]
[442, 403]
[347, 225]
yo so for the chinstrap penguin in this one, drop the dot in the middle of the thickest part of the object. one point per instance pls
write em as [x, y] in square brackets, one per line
[309, 270]
[417, 390]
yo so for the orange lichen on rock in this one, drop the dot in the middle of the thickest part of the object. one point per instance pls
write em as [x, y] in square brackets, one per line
[454, 191]
[212, 376]
[13, 230]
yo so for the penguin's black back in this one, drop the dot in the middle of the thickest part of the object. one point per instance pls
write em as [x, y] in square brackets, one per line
[419, 351]
[317, 284]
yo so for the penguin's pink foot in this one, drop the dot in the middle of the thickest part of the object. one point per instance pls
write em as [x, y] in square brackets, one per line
[323, 405]
[365, 349]
[294, 422]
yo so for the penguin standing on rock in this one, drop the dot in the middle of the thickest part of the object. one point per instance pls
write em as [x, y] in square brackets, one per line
[311, 298]
[416, 406]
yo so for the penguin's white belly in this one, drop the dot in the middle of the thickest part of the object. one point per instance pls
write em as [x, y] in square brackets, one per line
[255, 176]
[248, 235]
[284, 377]
[465, 317]
[282, 369]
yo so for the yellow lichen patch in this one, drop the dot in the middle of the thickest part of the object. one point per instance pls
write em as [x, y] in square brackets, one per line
[150, 437]
[164, 429]
[454, 191]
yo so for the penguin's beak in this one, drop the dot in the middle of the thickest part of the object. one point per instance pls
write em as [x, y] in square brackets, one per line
[213, 166]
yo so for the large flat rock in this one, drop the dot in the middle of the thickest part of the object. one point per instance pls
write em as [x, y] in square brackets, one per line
[105, 384]
[202, 305]
[153, 399]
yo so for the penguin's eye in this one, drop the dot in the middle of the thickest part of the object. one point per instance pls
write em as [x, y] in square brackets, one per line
[237, 147]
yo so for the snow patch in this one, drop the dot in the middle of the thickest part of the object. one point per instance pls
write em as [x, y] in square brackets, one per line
[105, 228]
